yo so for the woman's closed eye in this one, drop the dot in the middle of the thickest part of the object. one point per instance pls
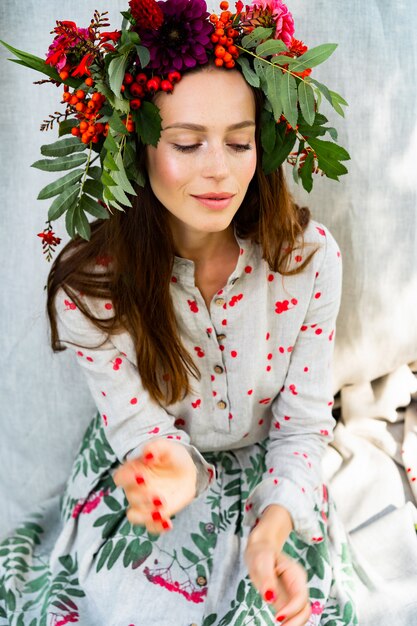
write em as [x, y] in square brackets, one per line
[191, 148]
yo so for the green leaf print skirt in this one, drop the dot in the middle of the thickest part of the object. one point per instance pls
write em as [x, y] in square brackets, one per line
[77, 559]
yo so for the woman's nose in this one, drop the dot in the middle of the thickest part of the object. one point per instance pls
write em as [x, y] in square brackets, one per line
[216, 163]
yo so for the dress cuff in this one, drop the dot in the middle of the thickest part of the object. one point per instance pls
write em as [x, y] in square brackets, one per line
[206, 472]
[299, 504]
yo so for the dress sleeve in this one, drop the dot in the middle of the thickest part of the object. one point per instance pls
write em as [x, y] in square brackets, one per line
[131, 417]
[302, 422]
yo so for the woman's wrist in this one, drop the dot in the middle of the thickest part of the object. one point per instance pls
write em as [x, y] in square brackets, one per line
[275, 524]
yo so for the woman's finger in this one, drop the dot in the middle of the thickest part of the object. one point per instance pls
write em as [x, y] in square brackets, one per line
[294, 579]
[300, 619]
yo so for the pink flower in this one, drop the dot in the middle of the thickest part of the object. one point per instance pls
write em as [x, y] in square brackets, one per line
[272, 13]
[316, 608]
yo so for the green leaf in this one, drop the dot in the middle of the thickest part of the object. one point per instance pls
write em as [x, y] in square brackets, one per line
[36, 63]
[307, 101]
[314, 56]
[58, 186]
[116, 124]
[93, 207]
[119, 195]
[120, 546]
[62, 163]
[190, 555]
[110, 144]
[289, 99]
[329, 149]
[128, 40]
[256, 36]
[69, 221]
[94, 188]
[120, 176]
[267, 131]
[62, 147]
[275, 87]
[82, 225]
[117, 69]
[105, 553]
[323, 89]
[63, 202]
[316, 594]
[337, 101]
[112, 503]
[240, 594]
[201, 543]
[251, 77]
[110, 199]
[66, 126]
[109, 162]
[144, 55]
[284, 143]
[261, 69]
[116, 102]
[95, 172]
[306, 172]
[148, 123]
[106, 179]
[272, 46]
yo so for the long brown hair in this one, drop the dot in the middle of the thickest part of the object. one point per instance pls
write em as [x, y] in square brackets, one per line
[140, 245]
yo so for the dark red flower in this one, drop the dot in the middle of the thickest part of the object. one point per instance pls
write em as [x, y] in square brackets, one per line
[147, 13]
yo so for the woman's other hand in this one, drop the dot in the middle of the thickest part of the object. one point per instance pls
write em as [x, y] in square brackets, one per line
[280, 580]
[158, 484]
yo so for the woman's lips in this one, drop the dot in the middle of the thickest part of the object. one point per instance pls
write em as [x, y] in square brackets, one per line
[211, 203]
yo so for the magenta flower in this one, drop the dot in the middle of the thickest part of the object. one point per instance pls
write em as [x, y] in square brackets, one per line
[68, 35]
[271, 13]
[183, 39]
[316, 608]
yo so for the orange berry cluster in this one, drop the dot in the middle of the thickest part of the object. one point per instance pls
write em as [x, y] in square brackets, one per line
[224, 35]
[87, 111]
[140, 86]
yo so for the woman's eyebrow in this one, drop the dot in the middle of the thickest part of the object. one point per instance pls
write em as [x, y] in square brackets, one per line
[190, 126]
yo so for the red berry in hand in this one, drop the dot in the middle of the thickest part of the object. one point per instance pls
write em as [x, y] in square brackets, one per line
[135, 104]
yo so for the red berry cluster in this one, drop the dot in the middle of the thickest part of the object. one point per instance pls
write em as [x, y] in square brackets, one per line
[140, 86]
[224, 35]
[87, 107]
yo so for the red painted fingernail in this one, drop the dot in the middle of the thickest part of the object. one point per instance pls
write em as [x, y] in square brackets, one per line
[140, 480]
[149, 456]
[165, 524]
[269, 595]
[157, 502]
[156, 516]
[281, 618]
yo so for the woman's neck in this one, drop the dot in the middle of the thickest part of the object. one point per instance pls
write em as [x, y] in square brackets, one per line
[202, 248]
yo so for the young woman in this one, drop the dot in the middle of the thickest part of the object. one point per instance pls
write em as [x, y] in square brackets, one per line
[204, 319]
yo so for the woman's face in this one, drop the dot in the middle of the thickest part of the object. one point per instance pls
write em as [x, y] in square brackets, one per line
[207, 146]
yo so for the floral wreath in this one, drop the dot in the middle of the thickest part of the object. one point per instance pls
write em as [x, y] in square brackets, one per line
[110, 77]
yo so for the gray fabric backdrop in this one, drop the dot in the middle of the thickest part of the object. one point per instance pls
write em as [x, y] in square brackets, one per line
[45, 404]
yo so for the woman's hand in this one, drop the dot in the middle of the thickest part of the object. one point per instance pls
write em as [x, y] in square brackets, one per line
[158, 484]
[279, 579]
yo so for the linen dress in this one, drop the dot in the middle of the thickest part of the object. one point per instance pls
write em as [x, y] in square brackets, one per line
[256, 424]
